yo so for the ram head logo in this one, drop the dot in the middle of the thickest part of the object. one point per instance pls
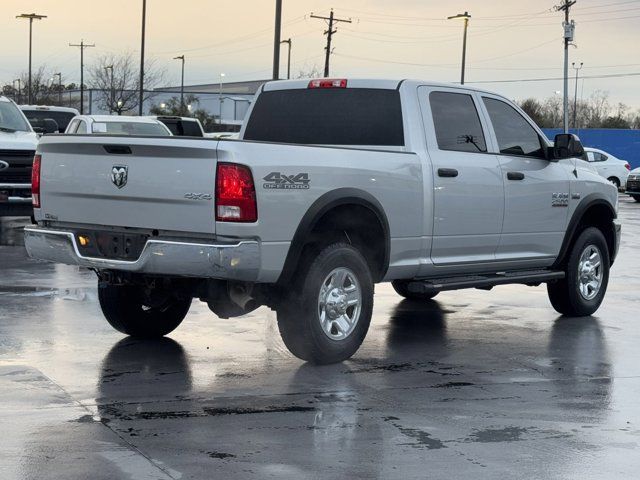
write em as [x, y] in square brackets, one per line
[3, 165]
[119, 174]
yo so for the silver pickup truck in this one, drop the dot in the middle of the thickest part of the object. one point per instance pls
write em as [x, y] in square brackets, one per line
[334, 185]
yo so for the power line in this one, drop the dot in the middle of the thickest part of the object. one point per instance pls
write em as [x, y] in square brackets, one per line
[612, 75]
[329, 33]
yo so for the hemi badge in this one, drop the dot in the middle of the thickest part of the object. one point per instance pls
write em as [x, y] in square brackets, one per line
[575, 196]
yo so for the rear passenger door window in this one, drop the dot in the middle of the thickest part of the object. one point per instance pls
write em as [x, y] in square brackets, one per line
[82, 127]
[456, 121]
[514, 133]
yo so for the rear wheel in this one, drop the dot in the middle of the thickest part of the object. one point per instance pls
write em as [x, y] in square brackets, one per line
[636, 198]
[401, 288]
[582, 290]
[615, 181]
[326, 314]
[130, 309]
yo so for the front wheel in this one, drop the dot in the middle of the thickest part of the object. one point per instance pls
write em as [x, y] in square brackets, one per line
[636, 198]
[325, 316]
[131, 310]
[582, 290]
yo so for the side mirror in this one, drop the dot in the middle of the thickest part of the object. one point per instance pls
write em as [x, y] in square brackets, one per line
[50, 125]
[567, 145]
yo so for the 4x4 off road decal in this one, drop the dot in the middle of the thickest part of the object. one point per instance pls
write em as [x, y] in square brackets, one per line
[280, 181]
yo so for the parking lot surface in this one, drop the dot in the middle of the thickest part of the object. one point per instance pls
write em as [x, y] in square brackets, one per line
[471, 385]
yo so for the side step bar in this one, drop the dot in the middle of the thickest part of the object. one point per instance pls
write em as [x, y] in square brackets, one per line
[485, 281]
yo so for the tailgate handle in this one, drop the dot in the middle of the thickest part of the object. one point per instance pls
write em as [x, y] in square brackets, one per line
[447, 172]
[118, 149]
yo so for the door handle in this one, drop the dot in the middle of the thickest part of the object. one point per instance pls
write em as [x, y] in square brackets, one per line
[447, 172]
[515, 175]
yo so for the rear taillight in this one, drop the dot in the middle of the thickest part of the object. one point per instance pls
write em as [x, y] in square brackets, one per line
[35, 181]
[627, 166]
[328, 83]
[235, 194]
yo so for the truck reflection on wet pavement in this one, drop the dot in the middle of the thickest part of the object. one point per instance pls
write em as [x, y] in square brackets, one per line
[470, 385]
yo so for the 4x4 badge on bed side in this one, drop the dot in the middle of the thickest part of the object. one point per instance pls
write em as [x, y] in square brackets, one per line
[280, 181]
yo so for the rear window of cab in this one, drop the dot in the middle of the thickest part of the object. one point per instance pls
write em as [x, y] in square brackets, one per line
[331, 116]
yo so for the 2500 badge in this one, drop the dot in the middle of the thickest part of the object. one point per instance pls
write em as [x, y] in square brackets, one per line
[280, 181]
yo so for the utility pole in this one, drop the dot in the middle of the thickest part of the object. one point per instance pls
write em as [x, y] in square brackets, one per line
[288, 41]
[329, 33]
[466, 18]
[82, 46]
[144, 19]
[59, 75]
[569, 28]
[31, 17]
[181, 57]
[276, 41]
[575, 97]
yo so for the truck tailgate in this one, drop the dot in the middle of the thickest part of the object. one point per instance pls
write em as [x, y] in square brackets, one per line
[156, 183]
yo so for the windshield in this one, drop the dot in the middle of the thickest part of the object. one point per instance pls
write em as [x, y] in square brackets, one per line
[11, 119]
[36, 118]
[134, 128]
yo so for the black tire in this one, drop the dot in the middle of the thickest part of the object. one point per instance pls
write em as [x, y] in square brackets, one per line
[565, 294]
[615, 181]
[299, 311]
[636, 198]
[128, 311]
[400, 286]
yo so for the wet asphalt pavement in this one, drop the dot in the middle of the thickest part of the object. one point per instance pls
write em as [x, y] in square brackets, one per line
[473, 385]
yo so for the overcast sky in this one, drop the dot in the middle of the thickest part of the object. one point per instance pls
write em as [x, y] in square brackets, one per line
[508, 40]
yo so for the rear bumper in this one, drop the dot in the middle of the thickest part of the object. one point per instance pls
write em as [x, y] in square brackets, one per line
[236, 261]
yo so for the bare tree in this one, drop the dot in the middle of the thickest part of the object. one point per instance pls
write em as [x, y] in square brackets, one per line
[310, 72]
[116, 79]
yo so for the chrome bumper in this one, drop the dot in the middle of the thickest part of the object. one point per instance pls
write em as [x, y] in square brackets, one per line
[15, 198]
[238, 261]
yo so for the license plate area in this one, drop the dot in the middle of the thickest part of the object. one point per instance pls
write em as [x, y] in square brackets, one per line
[111, 245]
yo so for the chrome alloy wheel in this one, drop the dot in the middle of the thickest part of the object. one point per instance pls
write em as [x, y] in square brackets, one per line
[339, 303]
[590, 272]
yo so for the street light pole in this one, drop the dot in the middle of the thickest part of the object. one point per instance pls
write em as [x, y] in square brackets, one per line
[466, 18]
[288, 41]
[220, 98]
[19, 89]
[31, 17]
[575, 96]
[181, 57]
[141, 99]
[59, 75]
[111, 92]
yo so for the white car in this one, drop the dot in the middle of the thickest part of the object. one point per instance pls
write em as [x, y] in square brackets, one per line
[608, 166]
[117, 125]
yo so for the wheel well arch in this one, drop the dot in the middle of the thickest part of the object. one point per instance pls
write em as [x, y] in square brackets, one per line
[594, 211]
[345, 214]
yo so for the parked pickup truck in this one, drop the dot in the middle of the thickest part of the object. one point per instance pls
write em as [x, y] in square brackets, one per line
[334, 186]
[17, 146]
